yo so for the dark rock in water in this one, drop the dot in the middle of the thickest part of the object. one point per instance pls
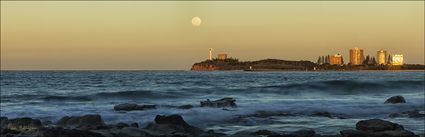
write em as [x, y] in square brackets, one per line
[377, 128]
[374, 125]
[415, 114]
[185, 106]
[224, 102]
[172, 124]
[8, 132]
[134, 125]
[389, 133]
[395, 100]
[24, 124]
[60, 132]
[131, 107]
[82, 122]
[111, 132]
[394, 115]
[121, 125]
[3, 122]
[264, 132]
[322, 114]
[353, 133]
[245, 134]
[304, 133]
[211, 133]
[172, 119]
[299, 133]
[134, 132]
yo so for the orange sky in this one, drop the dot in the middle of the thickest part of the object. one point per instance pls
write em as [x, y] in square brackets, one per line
[159, 35]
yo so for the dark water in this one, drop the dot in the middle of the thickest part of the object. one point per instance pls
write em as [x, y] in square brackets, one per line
[279, 101]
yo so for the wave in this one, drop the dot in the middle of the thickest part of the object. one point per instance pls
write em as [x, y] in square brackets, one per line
[348, 85]
[66, 98]
[136, 94]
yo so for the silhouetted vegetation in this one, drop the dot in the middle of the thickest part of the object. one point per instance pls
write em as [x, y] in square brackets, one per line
[276, 64]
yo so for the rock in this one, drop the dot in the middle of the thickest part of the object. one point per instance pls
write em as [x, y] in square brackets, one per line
[24, 124]
[134, 125]
[264, 132]
[121, 125]
[394, 115]
[172, 124]
[304, 133]
[377, 128]
[131, 107]
[172, 119]
[211, 133]
[389, 133]
[185, 106]
[112, 132]
[60, 132]
[3, 122]
[245, 134]
[374, 125]
[133, 132]
[299, 133]
[224, 102]
[352, 133]
[322, 114]
[395, 100]
[8, 132]
[415, 114]
[82, 122]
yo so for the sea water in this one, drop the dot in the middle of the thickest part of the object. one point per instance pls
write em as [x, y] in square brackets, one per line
[280, 101]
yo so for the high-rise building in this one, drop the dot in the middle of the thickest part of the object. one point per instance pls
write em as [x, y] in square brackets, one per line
[397, 59]
[222, 56]
[356, 56]
[336, 59]
[210, 54]
[381, 55]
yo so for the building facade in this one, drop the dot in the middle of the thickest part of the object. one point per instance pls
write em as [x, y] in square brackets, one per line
[381, 55]
[210, 54]
[356, 56]
[336, 59]
[397, 59]
[222, 56]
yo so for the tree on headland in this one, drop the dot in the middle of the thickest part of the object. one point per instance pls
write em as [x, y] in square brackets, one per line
[319, 60]
[373, 60]
[366, 61]
[329, 59]
[389, 60]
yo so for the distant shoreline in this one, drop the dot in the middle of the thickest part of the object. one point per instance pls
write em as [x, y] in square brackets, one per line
[285, 65]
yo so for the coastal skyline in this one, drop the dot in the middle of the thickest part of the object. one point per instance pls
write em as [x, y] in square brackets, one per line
[163, 35]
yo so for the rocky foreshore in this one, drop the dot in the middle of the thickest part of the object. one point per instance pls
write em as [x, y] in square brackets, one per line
[92, 125]
[172, 126]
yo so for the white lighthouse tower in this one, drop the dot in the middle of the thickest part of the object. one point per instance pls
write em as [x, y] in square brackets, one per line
[210, 53]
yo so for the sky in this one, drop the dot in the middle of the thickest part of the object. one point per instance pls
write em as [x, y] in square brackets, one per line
[148, 35]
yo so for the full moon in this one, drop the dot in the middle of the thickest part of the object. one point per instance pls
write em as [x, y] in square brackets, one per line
[196, 21]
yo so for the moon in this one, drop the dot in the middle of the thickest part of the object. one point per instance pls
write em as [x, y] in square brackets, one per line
[196, 21]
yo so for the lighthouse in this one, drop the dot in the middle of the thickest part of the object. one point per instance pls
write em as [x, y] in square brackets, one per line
[210, 53]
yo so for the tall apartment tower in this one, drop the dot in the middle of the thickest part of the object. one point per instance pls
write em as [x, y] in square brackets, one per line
[336, 59]
[397, 59]
[381, 55]
[356, 56]
[210, 54]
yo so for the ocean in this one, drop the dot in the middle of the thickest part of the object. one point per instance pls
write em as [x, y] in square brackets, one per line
[280, 101]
